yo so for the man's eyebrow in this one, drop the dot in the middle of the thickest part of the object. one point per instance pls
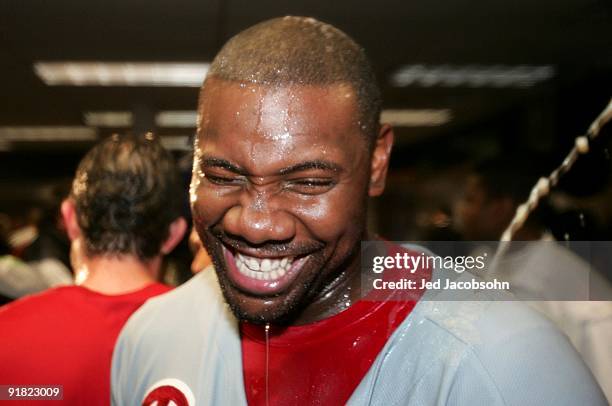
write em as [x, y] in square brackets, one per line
[211, 162]
[316, 164]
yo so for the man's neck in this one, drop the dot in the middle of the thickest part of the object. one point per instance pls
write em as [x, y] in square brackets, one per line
[114, 275]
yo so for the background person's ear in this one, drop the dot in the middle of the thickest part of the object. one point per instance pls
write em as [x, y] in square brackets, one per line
[70, 219]
[380, 160]
[176, 231]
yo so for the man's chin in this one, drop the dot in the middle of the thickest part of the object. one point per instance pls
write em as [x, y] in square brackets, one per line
[259, 310]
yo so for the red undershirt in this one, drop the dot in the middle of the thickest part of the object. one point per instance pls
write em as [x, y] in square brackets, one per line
[321, 362]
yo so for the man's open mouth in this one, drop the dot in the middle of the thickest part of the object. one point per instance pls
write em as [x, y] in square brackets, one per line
[260, 275]
[263, 269]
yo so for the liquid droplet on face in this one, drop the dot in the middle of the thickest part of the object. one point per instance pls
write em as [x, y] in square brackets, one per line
[581, 217]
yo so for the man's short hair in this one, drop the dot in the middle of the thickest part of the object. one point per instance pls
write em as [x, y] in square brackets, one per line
[301, 51]
[126, 192]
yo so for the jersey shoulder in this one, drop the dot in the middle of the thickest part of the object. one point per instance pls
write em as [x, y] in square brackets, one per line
[187, 336]
[37, 304]
[478, 351]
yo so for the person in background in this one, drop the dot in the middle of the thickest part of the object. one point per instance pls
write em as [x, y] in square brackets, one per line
[37, 258]
[555, 278]
[122, 216]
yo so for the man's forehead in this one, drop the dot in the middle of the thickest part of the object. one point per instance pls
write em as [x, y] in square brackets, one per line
[215, 89]
[278, 113]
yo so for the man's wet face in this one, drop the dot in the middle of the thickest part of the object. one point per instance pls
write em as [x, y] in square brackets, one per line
[279, 192]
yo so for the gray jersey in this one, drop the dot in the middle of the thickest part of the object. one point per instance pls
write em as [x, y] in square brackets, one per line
[184, 347]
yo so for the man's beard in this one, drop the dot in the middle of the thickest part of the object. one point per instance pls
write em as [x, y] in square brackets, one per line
[293, 306]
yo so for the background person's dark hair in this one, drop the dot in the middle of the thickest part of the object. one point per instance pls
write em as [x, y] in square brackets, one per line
[126, 193]
[302, 51]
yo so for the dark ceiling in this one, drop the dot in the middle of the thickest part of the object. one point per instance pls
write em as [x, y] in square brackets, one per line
[573, 36]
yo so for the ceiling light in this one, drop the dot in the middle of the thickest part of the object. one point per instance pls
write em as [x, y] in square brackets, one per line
[416, 118]
[47, 133]
[108, 118]
[178, 118]
[472, 75]
[122, 73]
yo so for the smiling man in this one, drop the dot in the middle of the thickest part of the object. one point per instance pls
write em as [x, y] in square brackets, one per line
[272, 163]
[289, 150]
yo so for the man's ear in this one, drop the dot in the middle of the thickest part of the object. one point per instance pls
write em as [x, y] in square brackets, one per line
[380, 160]
[176, 231]
[70, 219]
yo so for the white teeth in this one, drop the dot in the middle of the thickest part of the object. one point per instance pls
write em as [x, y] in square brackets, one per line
[263, 269]
[254, 264]
[266, 265]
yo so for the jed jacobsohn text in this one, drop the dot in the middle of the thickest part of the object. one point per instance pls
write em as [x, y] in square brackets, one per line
[409, 284]
[412, 263]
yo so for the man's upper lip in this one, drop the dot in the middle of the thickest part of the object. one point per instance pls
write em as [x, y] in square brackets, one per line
[263, 254]
[270, 250]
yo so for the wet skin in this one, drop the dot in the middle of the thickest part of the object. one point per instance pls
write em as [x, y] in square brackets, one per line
[285, 172]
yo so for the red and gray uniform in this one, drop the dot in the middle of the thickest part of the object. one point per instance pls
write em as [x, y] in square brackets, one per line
[188, 348]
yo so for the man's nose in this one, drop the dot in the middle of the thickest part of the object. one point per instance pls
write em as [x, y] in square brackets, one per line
[259, 217]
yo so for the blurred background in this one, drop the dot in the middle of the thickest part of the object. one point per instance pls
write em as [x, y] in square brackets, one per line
[463, 81]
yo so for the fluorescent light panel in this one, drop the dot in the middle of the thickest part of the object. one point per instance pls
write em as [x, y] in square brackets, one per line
[47, 133]
[416, 117]
[108, 118]
[178, 118]
[497, 76]
[172, 74]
